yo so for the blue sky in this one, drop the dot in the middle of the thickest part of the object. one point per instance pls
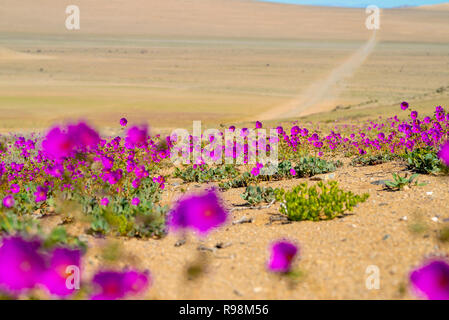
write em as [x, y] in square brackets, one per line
[362, 3]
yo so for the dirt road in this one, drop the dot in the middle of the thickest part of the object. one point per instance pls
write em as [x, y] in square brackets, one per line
[320, 94]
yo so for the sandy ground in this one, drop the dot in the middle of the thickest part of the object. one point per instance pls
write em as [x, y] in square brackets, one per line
[334, 254]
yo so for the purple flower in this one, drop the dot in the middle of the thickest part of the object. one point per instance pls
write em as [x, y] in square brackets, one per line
[123, 122]
[8, 201]
[107, 162]
[293, 172]
[83, 136]
[282, 256]
[258, 124]
[41, 193]
[15, 188]
[431, 281]
[137, 137]
[443, 154]
[21, 266]
[201, 213]
[135, 201]
[255, 171]
[57, 144]
[404, 105]
[64, 263]
[135, 183]
[414, 115]
[104, 202]
[112, 285]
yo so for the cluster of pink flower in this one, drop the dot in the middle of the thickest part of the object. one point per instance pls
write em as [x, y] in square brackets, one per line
[25, 266]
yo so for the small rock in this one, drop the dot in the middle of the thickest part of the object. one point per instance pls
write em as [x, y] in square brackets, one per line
[222, 245]
[404, 218]
[386, 237]
[180, 242]
[429, 193]
[257, 290]
[237, 293]
[243, 220]
[435, 219]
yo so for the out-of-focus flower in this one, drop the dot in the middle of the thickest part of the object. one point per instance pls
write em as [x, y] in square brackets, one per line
[112, 285]
[201, 213]
[15, 188]
[444, 153]
[41, 193]
[21, 265]
[58, 144]
[431, 281]
[404, 105]
[293, 172]
[8, 201]
[258, 124]
[64, 263]
[84, 137]
[137, 137]
[282, 255]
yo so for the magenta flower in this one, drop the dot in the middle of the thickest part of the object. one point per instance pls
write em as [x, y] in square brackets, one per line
[123, 122]
[258, 124]
[282, 255]
[41, 193]
[58, 144]
[414, 115]
[431, 281]
[293, 172]
[443, 154]
[404, 105]
[135, 201]
[8, 201]
[63, 264]
[255, 171]
[111, 285]
[21, 266]
[15, 188]
[201, 213]
[104, 202]
[107, 162]
[84, 136]
[137, 137]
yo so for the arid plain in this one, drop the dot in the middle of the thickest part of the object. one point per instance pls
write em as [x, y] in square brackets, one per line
[171, 62]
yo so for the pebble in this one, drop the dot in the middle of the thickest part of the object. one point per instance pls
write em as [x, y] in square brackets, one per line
[404, 218]
[429, 193]
[435, 219]
[386, 237]
[257, 289]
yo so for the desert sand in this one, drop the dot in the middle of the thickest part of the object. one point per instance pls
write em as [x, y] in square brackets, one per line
[171, 62]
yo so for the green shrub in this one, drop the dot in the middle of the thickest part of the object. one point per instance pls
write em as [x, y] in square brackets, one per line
[312, 203]
[398, 182]
[256, 194]
[423, 160]
[206, 174]
[310, 166]
[372, 160]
